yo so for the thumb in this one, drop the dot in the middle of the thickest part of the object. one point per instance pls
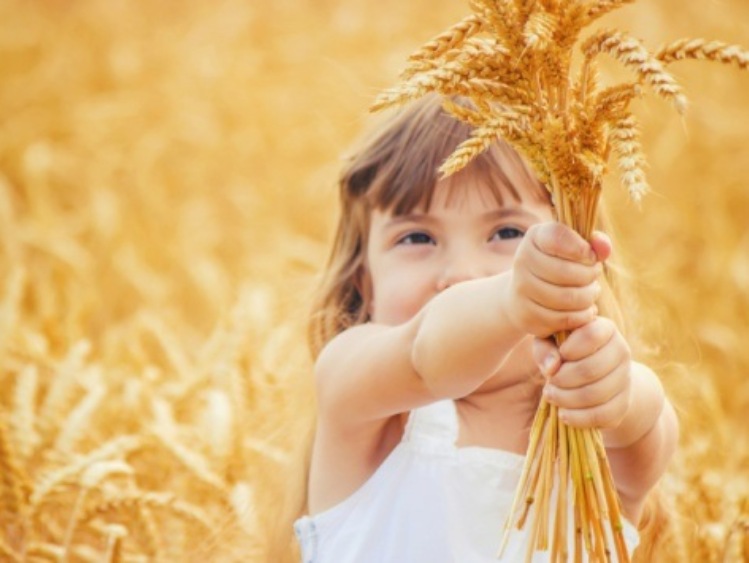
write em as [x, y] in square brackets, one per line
[546, 355]
[601, 244]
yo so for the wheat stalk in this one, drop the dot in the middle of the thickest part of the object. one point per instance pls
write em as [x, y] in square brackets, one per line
[567, 127]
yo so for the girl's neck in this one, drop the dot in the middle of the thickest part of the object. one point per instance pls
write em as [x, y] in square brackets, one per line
[499, 414]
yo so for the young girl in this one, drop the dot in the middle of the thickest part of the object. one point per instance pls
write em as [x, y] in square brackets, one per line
[433, 334]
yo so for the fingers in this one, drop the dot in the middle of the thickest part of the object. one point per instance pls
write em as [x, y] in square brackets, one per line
[591, 385]
[558, 255]
[589, 396]
[598, 357]
[601, 244]
[554, 239]
[555, 279]
[588, 339]
[559, 271]
[562, 298]
[606, 415]
[543, 322]
[544, 308]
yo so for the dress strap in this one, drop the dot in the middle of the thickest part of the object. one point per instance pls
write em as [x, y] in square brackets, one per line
[434, 422]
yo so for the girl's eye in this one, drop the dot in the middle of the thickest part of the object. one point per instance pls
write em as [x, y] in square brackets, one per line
[507, 233]
[416, 238]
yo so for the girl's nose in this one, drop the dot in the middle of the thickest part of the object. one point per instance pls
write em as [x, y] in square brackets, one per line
[457, 270]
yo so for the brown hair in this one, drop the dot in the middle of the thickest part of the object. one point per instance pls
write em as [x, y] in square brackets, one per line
[395, 168]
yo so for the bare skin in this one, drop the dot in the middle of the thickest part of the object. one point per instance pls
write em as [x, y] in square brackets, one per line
[464, 297]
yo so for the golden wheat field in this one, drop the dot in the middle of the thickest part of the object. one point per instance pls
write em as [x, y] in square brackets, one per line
[167, 195]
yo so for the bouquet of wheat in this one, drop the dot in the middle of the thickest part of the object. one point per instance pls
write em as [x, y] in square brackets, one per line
[513, 60]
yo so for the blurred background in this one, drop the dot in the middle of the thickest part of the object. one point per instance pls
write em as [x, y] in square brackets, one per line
[167, 196]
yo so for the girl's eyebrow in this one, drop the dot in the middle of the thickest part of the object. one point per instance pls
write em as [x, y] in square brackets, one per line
[410, 218]
[505, 212]
[489, 216]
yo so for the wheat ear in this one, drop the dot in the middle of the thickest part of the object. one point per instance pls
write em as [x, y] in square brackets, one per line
[156, 501]
[120, 446]
[503, 124]
[700, 49]
[632, 54]
[625, 142]
[450, 39]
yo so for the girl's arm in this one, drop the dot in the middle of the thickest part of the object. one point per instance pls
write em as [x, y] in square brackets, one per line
[372, 371]
[462, 335]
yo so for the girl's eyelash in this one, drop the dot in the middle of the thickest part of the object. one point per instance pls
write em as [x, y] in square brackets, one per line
[416, 237]
[509, 233]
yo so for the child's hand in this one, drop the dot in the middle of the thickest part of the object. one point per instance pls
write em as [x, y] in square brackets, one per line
[554, 285]
[589, 375]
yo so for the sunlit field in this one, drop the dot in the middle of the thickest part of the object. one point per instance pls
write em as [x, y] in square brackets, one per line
[167, 195]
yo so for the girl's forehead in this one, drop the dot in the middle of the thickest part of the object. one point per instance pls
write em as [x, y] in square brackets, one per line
[456, 189]
[511, 187]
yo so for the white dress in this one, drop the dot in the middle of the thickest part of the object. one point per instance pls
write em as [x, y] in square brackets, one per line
[429, 501]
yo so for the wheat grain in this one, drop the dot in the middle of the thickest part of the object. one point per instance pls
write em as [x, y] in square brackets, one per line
[701, 49]
[624, 139]
[504, 124]
[502, 17]
[487, 50]
[452, 38]
[449, 79]
[539, 30]
[634, 55]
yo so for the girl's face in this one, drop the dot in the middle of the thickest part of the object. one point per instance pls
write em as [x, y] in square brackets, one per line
[465, 234]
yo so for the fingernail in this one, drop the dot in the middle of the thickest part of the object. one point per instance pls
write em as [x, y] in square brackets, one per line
[597, 290]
